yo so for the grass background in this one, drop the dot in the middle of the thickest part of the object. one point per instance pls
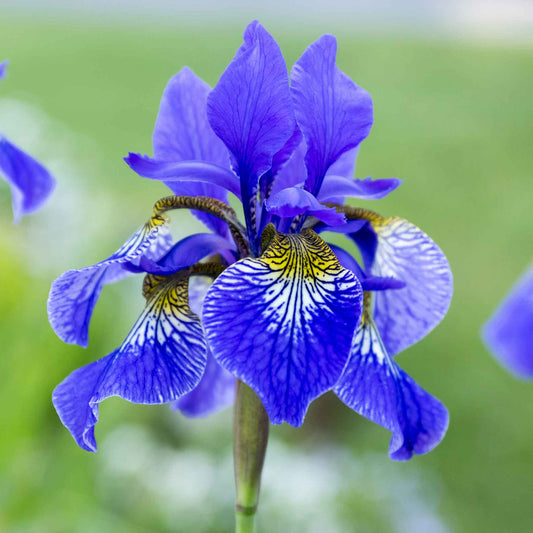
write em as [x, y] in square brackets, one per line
[453, 119]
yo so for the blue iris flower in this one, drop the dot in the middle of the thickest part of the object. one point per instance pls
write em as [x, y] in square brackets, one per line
[508, 334]
[266, 301]
[31, 184]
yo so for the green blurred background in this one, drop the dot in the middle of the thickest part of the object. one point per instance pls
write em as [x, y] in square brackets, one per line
[453, 118]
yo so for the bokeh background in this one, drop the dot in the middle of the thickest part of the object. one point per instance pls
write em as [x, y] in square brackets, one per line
[452, 84]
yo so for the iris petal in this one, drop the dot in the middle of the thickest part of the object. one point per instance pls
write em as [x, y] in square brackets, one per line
[334, 114]
[283, 323]
[296, 201]
[509, 332]
[31, 184]
[395, 248]
[347, 261]
[182, 133]
[273, 178]
[293, 172]
[337, 188]
[215, 392]
[3, 68]
[250, 109]
[162, 358]
[184, 171]
[184, 253]
[344, 166]
[376, 387]
[74, 294]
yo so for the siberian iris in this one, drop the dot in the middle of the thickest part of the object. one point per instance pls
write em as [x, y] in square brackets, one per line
[508, 334]
[31, 184]
[286, 313]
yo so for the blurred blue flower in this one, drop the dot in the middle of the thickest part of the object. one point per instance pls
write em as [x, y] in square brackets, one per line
[508, 334]
[284, 311]
[31, 184]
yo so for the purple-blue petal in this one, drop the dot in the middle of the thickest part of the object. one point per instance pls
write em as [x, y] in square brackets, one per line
[374, 386]
[182, 133]
[293, 172]
[337, 188]
[3, 68]
[185, 253]
[215, 392]
[344, 166]
[283, 323]
[395, 248]
[31, 184]
[250, 109]
[508, 334]
[297, 201]
[74, 294]
[162, 358]
[368, 283]
[351, 226]
[184, 171]
[376, 283]
[334, 114]
[284, 154]
[216, 389]
[269, 180]
[347, 261]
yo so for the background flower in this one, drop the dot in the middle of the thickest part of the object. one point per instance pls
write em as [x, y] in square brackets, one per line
[30, 182]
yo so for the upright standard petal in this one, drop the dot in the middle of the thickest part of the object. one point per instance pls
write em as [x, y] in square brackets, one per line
[250, 109]
[334, 114]
[509, 332]
[283, 323]
[395, 248]
[162, 358]
[182, 133]
[344, 166]
[74, 294]
[31, 184]
[279, 161]
[374, 386]
[293, 172]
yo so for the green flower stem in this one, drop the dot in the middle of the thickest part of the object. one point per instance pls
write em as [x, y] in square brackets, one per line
[250, 441]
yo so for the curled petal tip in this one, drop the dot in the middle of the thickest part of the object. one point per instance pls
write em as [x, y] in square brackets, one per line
[374, 386]
[162, 358]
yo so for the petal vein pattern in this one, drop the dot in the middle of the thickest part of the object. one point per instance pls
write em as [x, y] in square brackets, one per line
[74, 294]
[406, 253]
[333, 113]
[374, 386]
[162, 358]
[283, 323]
